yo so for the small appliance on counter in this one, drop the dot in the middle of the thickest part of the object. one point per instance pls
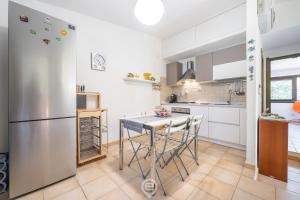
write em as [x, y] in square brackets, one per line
[173, 98]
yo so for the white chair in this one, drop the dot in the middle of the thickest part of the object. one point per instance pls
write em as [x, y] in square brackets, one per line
[165, 146]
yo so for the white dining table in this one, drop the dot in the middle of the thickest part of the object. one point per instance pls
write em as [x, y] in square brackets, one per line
[151, 123]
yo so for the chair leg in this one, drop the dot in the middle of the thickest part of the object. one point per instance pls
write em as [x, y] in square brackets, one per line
[148, 153]
[163, 161]
[165, 194]
[185, 169]
[193, 155]
[178, 169]
[134, 155]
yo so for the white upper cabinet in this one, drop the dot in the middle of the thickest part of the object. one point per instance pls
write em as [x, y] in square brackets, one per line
[222, 26]
[230, 63]
[230, 70]
[224, 30]
[180, 42]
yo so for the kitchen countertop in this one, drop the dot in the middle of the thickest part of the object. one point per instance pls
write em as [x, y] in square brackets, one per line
[212, 104]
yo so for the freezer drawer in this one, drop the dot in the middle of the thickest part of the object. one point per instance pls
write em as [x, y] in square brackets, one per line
[41, 153]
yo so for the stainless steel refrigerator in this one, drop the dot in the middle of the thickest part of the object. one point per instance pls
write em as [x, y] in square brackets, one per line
[42, 100]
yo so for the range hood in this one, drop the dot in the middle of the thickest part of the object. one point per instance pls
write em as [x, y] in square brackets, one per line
[189, 74]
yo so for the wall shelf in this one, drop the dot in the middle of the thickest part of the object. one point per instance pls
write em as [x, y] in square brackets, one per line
[140, 80]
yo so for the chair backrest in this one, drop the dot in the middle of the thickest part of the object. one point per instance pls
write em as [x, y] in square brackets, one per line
[196, 123]
[175, 127]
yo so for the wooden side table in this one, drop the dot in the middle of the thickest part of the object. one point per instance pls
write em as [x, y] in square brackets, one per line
[273, 148]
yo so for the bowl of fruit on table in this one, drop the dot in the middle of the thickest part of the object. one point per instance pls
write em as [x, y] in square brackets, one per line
[162, 112]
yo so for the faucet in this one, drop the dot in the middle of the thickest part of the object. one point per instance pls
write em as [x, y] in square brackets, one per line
[229, 97]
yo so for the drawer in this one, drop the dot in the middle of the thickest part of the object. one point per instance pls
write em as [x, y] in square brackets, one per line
[224, 132]
[86, 113]
[224, 115]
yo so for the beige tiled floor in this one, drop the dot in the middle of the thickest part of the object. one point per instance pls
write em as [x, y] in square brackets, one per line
[220, 175]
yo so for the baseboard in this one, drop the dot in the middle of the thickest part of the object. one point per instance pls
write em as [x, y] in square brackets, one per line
[4, 196]
[294, 156]
[117, 141]
[249, 166]
[227, 144]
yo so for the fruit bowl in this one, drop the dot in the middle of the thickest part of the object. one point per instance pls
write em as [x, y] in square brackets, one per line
[162, 113]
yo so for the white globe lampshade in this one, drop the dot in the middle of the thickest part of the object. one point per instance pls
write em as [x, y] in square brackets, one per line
[149, 12]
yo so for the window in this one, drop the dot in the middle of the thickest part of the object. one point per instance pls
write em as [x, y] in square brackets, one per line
[282, 89]
[285, 89]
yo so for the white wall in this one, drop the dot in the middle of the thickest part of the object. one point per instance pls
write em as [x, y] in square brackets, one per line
[285, 110]
[253, 87]
[125, 50]
[3, 76]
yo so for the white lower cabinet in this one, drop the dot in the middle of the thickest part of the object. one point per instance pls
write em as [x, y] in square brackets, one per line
[201, 110]
[224, 115]
[225, 124]
[224, 132]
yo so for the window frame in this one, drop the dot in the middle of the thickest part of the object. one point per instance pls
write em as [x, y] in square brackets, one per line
[294, 88]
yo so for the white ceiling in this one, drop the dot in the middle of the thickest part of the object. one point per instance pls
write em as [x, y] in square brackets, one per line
[179, 14]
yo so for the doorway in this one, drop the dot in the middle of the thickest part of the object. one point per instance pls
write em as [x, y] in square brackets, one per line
[282, 95]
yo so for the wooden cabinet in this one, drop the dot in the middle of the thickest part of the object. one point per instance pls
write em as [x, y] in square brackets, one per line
[204, 68]
[201, 110]
[90, 129]
[174, 72]
[273, 148]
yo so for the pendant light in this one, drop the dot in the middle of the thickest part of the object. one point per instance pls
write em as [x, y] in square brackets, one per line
[149, 12]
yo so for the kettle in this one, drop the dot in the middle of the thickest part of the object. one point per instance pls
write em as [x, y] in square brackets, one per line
[173, 98]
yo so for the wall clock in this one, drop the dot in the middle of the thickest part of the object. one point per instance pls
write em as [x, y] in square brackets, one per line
[98, 61]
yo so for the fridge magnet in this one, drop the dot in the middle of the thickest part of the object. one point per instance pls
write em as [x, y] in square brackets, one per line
[98, 62]
[58, 39]
[33, 32]
[47, 21]
[63, 32]
[24, 18]
[71, 27]
[46, 41]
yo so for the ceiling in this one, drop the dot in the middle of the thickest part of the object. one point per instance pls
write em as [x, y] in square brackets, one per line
[179, 14]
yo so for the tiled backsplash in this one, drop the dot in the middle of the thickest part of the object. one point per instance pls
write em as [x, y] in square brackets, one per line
[205, 92]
